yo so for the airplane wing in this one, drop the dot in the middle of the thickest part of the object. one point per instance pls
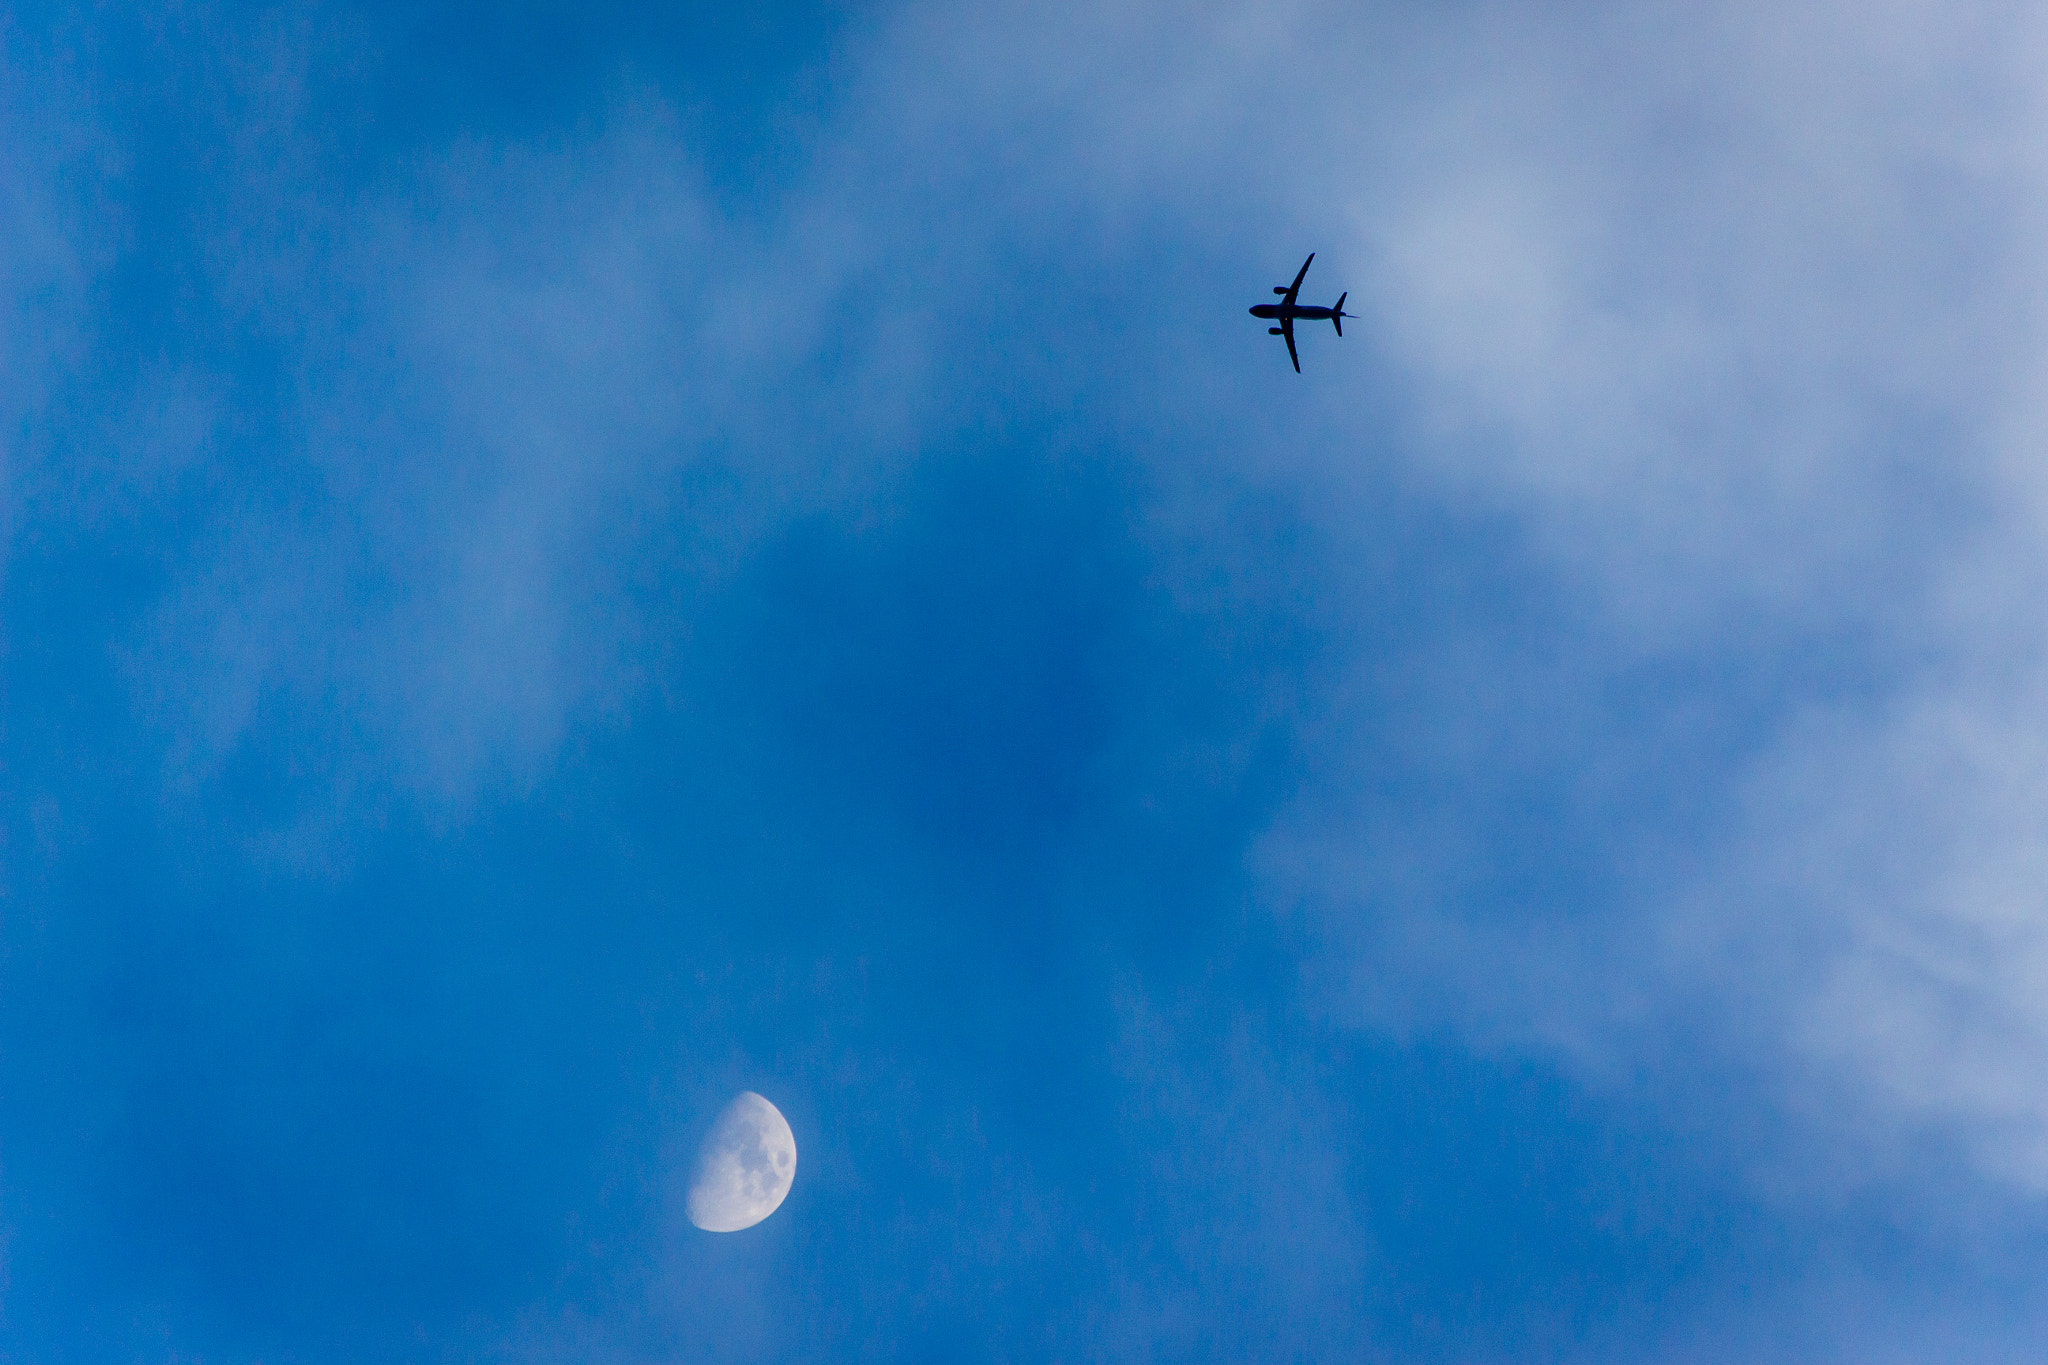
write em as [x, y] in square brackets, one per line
[1287, 331]
[1295, 288]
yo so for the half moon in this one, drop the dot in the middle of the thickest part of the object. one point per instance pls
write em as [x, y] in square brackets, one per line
[745, 1167]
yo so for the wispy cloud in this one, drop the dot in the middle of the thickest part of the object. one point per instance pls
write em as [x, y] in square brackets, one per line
[1640, 596]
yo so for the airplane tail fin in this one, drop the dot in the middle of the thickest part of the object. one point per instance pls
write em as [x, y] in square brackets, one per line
[1337, 313]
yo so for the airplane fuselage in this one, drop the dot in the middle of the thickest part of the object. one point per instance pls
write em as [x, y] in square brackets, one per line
[1286, 311]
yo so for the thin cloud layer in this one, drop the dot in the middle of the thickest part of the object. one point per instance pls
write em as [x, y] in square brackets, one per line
[1741, 319]
[1738, 336]
[1611, 659]
[1734, 321]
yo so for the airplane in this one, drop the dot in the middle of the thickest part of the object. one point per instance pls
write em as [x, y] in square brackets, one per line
[1287, 310]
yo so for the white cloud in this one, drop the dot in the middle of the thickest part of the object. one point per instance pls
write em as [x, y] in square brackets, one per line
[1737, 314]
[1742, 317]
[1739, 317]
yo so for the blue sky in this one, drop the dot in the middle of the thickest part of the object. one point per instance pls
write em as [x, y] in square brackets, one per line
[561, 562]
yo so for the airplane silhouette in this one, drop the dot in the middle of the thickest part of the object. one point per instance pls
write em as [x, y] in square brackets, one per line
[1287, 310]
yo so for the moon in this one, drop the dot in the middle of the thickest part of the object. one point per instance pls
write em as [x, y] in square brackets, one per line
[745, 1167]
